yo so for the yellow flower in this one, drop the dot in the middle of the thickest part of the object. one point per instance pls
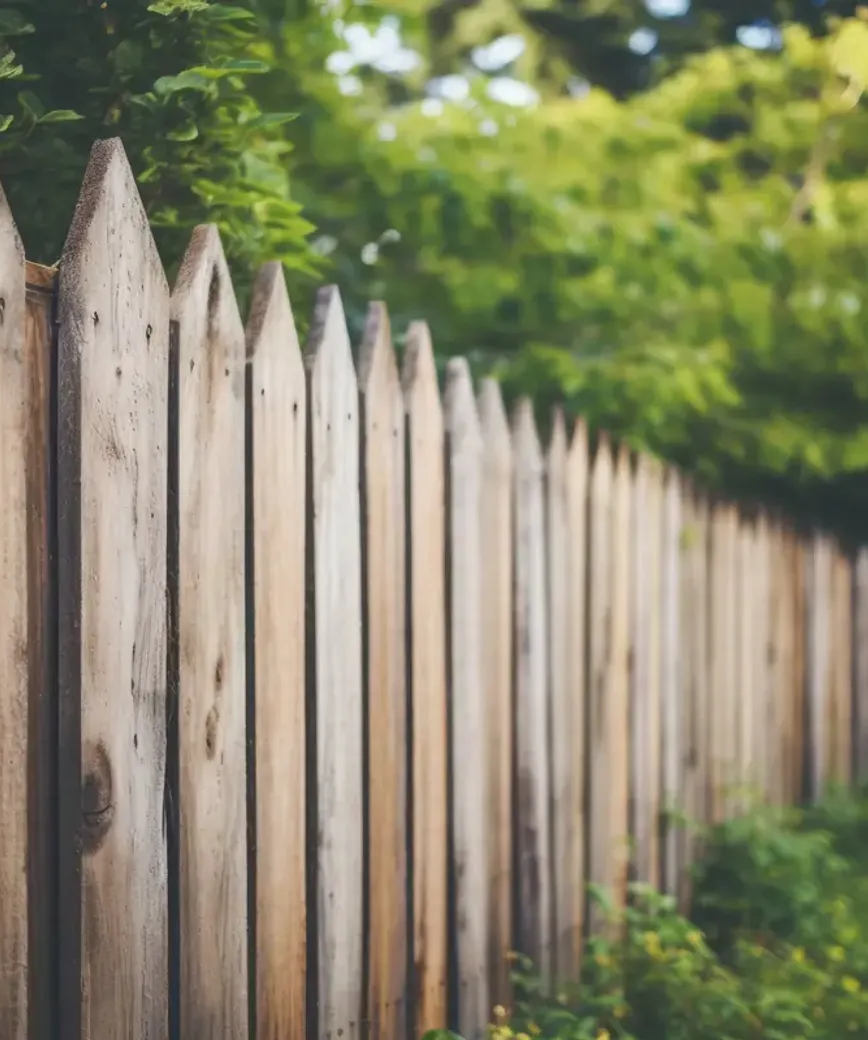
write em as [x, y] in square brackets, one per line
[603, 960]
[603, 1034]
[499, 1012]
[850, 984]
[836, 953]
[534, 1029]
[695, 939]
[522, 1036]
[799, 955]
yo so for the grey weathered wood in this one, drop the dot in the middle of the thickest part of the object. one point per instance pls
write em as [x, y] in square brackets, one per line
[113, 369]
[673, 722]
[17, 415]
[335, 665]
[577, 477]
[496, 556]
[841, 722]
[385, 634]
[860, 674]
[277, 414]
[467, 699]
[212, 768]
[566, 757]
[763, 735]
[427, 591]
[534, 922]
[722, 654]
[744, 692]
[817, 610]
[645, 711]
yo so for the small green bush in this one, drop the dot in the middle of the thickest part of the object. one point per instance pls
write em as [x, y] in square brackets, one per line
[776, 947]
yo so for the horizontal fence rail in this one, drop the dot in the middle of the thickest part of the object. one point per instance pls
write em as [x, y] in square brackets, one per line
[321, 692]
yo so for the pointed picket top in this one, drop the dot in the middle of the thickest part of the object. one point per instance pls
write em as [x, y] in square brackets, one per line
[11, 247]
[419, 373]
[271, 334]
[603, 465]
[494, 425]
[556, 454]
[109, 194]
[462, 418]
[377, 361]
[525, 438]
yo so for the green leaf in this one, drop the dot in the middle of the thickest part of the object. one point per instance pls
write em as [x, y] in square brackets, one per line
[224, 13]
[31, 104]
[13, 23]
[190, 79]
[60, 115]
[268, 119]
[232, 66]
[5, 122]
[186, 132]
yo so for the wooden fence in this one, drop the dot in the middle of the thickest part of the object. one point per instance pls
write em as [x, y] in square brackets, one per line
[318, 694]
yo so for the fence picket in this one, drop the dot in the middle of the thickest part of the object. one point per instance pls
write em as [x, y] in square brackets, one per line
[496, 562]
[427, 669]
[276, 416]
[860, 675]
[385, 677]
[113, 367]
[645, 708]
[18, 412]
[673, 720]
[335, 665]
[466, 698]
[212, 802]
[533, 856]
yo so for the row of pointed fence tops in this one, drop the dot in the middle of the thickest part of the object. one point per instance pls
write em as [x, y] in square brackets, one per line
[110, 207]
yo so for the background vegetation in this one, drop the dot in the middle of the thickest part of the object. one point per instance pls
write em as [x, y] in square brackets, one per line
[613, 203]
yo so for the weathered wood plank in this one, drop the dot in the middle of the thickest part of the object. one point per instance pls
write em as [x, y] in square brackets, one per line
[113, 369]
[18, 413]
[673, 721]
[39, 457]
[427, 669]
[577, 477]
[497, 675]
[860, 675]
[722, 655]
[762, 740]
[534, 924]
[467, 701]
[842, 668]
[745, 637]
[817, 664]
[645, 709]
[797, 572]
[276, 417]
[566, 758]
[335, 666]
[212, 767]
[385, 675]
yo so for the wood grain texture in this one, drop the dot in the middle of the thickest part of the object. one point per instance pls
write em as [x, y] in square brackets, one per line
[113, 369]
[645, 710]
[817, 663]
[672, 709]
[533, 827]
[745, 694]
[336, 679]
[212, 804]
[566, 758]
[385, 650]
[860, 675]
[496, 559]
[577, 477]
[722, 655]
[427, 670]
[39, 458]
[842, 671]
[467, 701]
[277, 419]
[762, 741]
[17, 414]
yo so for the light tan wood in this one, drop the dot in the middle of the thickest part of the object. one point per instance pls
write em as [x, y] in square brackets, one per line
[565, 756]
[496, 559]
[672, 708]
[745, 695]
[113, 370]
[335, 665]
[385, 633]
[860, 639]
[797, 569]
[212, 804]
[534, 924]
[467, 699]
[277, 416]
[16, 419]
[577, 477]
[762, 741]
[645, 708]
[427, 554]
[722, 655]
